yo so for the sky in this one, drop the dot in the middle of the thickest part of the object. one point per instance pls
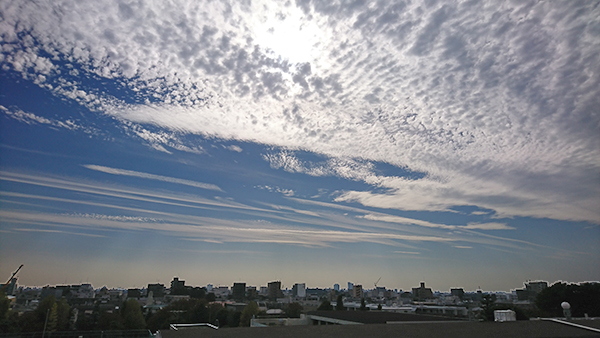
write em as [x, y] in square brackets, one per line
[317, 142]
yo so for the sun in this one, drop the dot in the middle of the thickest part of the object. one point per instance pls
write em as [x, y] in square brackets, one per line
[289, 34]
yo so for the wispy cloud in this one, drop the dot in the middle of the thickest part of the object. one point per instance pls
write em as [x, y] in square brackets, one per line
[408, 252]
[123, 172]
[404, 220]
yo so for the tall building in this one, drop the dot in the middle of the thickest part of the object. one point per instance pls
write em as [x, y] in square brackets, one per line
[458, 292]
[422, 293]
[350, 285]
[177, 286]
[251, 292]
[336, 287]
[158, 290]
[357, 291]
[531, 290]
[239, 291]
[10, 287]
[299, 290]
[274, 290]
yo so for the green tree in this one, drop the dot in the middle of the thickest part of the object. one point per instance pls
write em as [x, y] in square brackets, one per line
[63, 315]
[34, 321]
[52, 321]
[249, 311]
[339, 306]
[213, 310]
[584, 298]
[487, 304]
[363, 305]
[325, 306]
[234, 318]
[222, 317]
[199, 312]
[8, 322]
[110, 321]
[294, 310]
[133, 318]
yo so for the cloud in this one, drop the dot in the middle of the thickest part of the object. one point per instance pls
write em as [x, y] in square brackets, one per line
[496, 103]
[220, 230]
[488, 226]
[235, 148]
[408, 252]
[30, 118]
[285, 192]
[131, 173]
[405, 220]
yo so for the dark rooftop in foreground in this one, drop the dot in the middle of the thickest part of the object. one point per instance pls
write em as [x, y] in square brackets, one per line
[520, 329]
[379, 317]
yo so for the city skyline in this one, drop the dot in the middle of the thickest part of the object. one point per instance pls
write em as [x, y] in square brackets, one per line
[289, 288]
[454, 143]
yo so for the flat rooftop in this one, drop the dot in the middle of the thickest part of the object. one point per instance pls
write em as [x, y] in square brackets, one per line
[519, 329]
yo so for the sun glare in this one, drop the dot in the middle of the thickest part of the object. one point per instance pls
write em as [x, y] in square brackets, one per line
[288, 35]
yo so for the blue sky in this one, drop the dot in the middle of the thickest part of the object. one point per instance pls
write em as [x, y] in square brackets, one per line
[454, 143]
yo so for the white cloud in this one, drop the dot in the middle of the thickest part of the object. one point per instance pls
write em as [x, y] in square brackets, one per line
[115, 171]
[496, 103]
[488, 226]
[408, 252]
[235, 148]
[405, 220]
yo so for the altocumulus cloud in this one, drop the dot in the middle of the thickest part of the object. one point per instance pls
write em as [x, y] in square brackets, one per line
[496, 103]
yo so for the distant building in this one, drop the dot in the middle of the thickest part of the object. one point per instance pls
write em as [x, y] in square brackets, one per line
[251, 292]
[177, 286]
[531, 290]
[350, 286]
[221, 291]
[299, 290]
[458, 292]
[336, 287]
[158, 290]
[134, 293]
[422, 293]
[274, 290]
[357, 291]
[239, 291]
[209, 287]
[10, 287]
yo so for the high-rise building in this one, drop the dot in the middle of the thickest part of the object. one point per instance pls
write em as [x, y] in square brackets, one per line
[239, 291]
[299, 290]
[158, 290]
[422, 293]
[251, 292]
[336, 287]
[350, 285]
[458, 292]
[10, 287]
[531, 290]
[357, 291]
[177, 286]
[274, 290]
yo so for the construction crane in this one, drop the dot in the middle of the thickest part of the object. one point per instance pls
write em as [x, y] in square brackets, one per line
[377, 282]
[10, 279]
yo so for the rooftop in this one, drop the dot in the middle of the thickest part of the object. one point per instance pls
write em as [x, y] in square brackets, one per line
[519, 329]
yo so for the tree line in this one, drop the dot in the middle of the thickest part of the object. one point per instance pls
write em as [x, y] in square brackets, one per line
[129, 316]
